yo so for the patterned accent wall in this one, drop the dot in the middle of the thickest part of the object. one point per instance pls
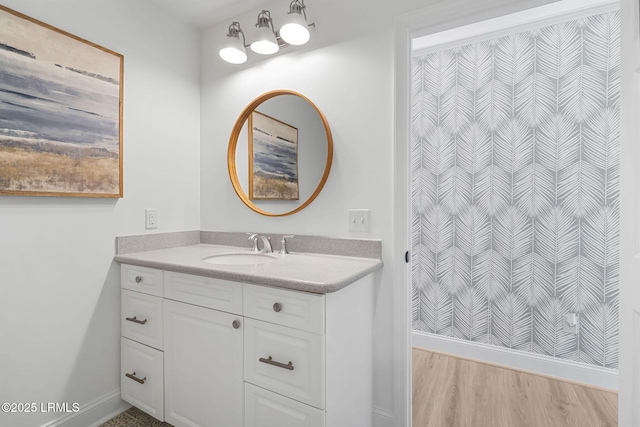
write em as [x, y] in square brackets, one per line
[515, 190]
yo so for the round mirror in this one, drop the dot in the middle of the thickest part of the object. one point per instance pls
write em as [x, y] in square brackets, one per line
[280, 153]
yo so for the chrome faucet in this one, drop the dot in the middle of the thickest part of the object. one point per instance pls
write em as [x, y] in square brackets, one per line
[266, 243]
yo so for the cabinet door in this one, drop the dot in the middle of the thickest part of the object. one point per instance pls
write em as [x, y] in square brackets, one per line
[203, 367]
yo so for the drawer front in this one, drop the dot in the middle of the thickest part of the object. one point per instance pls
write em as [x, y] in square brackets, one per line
[303, 379]
[144, 364]
[298, 310]
[142, 318]
[218, 294]
[142, 279]
[266, 409]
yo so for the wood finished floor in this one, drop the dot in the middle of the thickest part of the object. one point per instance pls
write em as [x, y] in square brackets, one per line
[449, 392]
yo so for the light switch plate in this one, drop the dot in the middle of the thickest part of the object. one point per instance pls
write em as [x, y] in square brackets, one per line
[151, 218]
[359, 220]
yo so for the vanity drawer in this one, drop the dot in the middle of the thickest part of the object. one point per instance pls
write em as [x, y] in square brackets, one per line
[142, 279]
[144, 387]
[266, 409]
[268, 350]
[142, 318]
[218, 294]
[300, 310]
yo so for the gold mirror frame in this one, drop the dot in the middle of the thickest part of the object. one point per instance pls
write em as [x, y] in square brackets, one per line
[233, 143]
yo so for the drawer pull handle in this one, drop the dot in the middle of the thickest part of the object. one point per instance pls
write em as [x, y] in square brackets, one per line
[235, 324]
[277, 307]
[270, 361]
[138, 279]
[136, 379]
[135, 320]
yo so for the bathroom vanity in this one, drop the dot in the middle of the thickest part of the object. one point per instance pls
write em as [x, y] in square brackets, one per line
[281, 342]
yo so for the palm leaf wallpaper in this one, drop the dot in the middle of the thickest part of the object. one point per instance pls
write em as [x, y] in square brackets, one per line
[515, 169]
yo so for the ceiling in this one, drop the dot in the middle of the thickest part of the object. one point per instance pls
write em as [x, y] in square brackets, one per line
[204, 13]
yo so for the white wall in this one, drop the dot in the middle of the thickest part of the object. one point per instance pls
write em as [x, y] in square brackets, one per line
[60, 300]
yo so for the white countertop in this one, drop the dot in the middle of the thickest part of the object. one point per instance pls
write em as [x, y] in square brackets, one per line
[317, 273]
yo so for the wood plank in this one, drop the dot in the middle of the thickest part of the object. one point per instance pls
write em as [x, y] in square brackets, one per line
[454, 392]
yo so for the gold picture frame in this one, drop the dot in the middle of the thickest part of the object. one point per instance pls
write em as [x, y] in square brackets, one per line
[273, 159]
[61, 112]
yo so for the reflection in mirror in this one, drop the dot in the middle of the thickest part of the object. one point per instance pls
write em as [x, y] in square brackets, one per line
[312, 150]
[280, 153]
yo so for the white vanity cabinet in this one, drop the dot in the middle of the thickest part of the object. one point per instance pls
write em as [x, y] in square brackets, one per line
[236, 354]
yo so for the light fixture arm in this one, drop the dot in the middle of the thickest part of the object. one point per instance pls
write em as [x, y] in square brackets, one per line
[264, 20]
[234, 30]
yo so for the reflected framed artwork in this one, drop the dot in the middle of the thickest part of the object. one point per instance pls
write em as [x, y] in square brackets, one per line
[273, 159]
[60, 112]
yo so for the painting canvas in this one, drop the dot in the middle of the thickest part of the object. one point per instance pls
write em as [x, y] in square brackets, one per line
[60, 112]
[273, 159]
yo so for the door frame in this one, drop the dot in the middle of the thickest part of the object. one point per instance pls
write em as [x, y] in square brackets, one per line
[442, 16]
[629, 326]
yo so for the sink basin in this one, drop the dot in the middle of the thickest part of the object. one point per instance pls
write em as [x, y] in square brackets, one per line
[240, 258]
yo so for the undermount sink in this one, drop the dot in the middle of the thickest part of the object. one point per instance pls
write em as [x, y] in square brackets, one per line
[240, 258]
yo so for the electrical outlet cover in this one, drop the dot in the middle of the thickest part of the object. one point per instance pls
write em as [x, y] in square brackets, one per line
[570, 323]
[151, 218]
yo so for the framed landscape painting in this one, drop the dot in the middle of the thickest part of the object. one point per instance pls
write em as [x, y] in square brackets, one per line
[60, 112]
[273, 159]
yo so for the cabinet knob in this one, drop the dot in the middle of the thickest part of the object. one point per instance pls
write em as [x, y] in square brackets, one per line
[236, 324]
[277, 307]
[138, 279]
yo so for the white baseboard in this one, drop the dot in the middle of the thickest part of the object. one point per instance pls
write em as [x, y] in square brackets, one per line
[383, 418]
[93, 413]
[535, 363]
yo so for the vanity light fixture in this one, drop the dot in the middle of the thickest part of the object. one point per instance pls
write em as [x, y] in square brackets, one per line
[268, 41]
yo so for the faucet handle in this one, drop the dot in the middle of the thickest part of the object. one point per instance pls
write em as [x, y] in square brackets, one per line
[253, 237]
[283, 243]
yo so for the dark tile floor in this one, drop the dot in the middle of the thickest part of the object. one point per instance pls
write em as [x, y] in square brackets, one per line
[134, 417]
